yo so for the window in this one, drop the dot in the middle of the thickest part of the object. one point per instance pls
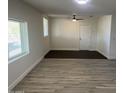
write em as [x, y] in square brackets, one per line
[17, 39]
[45, 26]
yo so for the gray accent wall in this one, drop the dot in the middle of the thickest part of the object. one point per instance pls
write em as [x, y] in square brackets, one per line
[38, 44]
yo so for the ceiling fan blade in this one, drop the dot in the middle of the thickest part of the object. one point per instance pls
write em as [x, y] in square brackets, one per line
[79, 19]
[74, 18]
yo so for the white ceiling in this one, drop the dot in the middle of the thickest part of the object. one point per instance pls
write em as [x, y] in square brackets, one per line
[68, 7]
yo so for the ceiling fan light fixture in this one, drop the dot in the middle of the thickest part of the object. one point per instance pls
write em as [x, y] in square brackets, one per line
[81, 1]
[74, 20]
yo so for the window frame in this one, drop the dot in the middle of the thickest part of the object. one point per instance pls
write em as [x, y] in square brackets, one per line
[47, 27]
[23, 38]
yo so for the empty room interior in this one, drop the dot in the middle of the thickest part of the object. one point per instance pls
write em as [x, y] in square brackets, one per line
[62, 46]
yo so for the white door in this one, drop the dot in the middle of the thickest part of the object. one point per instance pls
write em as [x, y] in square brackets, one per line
[85, 34]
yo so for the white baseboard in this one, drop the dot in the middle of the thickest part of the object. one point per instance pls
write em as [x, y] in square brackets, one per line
[74, 49]
[26, 72]
[103, 54]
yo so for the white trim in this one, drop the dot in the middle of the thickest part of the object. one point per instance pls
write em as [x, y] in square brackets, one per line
[24, 40]
[18, 57]
[46, 52]
[103, 54]
[75, 49]
[16, 19]
[107, 56]
[26, 72]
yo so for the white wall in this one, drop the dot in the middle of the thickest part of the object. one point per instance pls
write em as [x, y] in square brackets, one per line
[103, 35]
[65, 33]
[113, 38]
[37, 43]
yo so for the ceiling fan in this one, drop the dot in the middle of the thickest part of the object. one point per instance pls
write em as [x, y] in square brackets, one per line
[75, 19]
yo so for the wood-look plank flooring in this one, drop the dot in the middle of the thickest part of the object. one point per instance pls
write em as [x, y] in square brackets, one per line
[70, 76]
